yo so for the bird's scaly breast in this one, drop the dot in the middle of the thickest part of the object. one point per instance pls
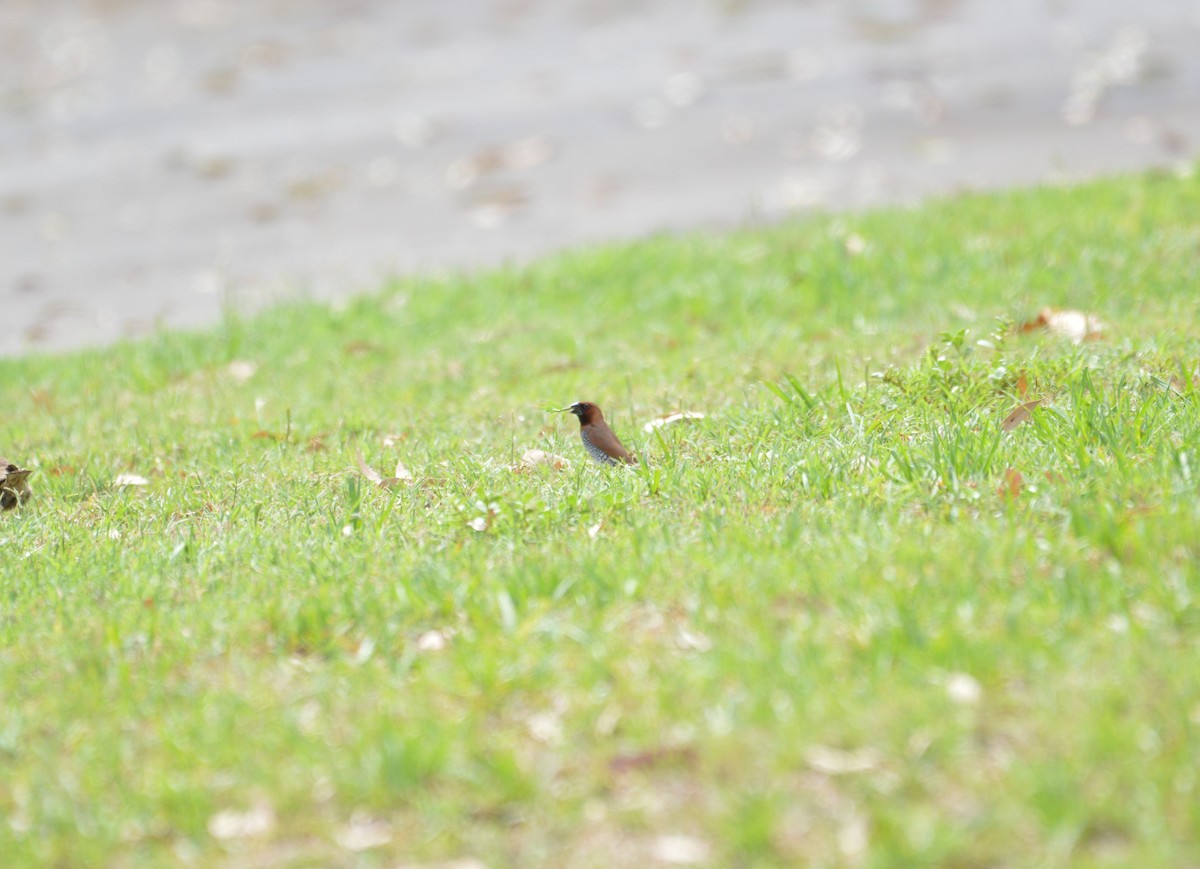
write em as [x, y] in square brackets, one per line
[594, 451]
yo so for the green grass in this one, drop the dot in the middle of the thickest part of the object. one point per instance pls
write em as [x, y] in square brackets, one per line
[823, 626]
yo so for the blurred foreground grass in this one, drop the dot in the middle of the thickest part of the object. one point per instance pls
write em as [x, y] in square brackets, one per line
[844, 620]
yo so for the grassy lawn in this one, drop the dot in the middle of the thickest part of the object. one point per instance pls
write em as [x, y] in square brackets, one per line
[845, 619]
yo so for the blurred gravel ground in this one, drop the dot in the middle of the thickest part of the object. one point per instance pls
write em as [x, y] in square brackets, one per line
[161, 159]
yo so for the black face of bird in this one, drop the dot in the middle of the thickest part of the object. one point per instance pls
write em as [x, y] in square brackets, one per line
[579, 408]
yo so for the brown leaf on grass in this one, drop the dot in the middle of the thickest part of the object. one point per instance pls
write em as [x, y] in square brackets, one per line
[651, 758]
[263, 435]
[359, 348]
[1075, 326]
[672, 418]
[402, 475]
[316, 444]
[1021, 414]
[1022, 384]
[1012, 485]
[1183, 387]
[541, 458]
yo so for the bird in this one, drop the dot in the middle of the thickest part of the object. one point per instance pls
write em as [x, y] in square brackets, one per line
[602, 445]
[14, 485]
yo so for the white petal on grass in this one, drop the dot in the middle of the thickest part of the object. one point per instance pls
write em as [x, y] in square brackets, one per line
[855, 244]
[546, 727]
[230, 824]
[672, 418]
[836, 761]
[241, 370]
[364, 833]
[432, 641]
[692, 641]
[365, 649]
[594, 530]
[130, 480]
[853, 839]
[680, 850]
[478, 524]
[963, 688]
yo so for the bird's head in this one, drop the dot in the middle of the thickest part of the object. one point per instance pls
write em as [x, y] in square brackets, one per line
[585, 410]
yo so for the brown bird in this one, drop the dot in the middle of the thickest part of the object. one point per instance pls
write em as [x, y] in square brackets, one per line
[14, 485]
[602, 445]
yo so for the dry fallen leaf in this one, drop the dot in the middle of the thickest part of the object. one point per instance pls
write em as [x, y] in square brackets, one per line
[538, 458]
[1022, 413]
[130, 480]
[1182, 387]
[402, 475]
[671, 419]
[1075, 326]
[651, 758]
[1012, 485]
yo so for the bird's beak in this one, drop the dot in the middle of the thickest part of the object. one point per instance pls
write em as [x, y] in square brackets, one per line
[567, 409]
